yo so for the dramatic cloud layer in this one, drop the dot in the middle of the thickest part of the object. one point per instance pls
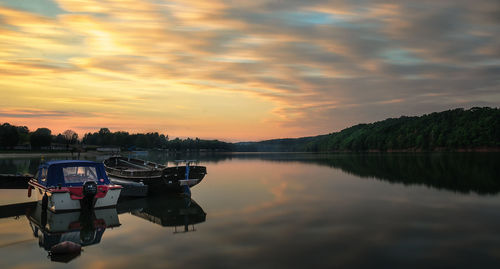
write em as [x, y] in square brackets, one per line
[243, 70]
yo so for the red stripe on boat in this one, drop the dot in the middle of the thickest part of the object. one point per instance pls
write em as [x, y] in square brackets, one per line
[76, 193]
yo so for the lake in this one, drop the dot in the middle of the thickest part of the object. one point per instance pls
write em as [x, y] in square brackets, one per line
[282, 211]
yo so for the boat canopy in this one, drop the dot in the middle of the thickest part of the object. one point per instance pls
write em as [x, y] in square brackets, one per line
[71, 173]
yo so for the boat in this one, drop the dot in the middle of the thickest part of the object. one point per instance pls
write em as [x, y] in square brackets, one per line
[73, 185]
[133, 169]
[158, 177]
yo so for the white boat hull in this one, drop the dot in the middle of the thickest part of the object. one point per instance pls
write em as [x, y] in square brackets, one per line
[61, 201]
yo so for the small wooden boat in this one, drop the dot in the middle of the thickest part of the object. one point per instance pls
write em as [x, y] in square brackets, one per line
[133, 169]
[73, 185]
[158, 177]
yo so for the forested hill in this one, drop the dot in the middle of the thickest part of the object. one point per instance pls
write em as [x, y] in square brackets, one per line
[476, 128]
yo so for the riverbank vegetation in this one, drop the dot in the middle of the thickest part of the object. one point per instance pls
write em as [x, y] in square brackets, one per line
[458, 129]
[154, 140]
[19, 138]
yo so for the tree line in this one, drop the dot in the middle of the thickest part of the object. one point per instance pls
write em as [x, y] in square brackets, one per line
[152, 140]
[448, 130]
[12, 137]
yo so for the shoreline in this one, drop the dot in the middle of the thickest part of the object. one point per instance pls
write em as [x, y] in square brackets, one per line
[45, 154]
[4, 155]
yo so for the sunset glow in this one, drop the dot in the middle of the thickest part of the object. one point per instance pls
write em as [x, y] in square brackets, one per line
[242, 70]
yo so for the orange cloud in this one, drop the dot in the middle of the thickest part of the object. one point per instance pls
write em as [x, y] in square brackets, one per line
[246, 70]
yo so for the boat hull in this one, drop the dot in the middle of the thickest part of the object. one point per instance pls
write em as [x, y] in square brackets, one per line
[159, 178]
[160, 185]
[63, 201]
[133, 169]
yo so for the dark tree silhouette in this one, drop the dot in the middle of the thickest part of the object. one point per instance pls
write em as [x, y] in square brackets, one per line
[42, 137]
[9, 136]
[447, 130]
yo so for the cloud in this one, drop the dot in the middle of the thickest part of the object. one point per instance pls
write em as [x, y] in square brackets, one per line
[40, 113]
[307, 60]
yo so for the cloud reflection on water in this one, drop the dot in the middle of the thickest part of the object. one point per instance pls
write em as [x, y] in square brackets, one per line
[306, 212]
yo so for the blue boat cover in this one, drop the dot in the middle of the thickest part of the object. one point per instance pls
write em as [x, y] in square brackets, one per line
[70, 173]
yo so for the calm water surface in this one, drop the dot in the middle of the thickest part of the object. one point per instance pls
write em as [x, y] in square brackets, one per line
[282, 211]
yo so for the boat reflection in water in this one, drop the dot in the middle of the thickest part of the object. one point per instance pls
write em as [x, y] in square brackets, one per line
[168, 211]
[63, 234]
[71, 230]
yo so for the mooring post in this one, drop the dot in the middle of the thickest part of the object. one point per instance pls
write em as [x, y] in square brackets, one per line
[185, 188]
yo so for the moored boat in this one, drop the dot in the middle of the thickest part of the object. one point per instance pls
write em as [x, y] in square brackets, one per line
[158, 177]
[73, 185]
[133, 169]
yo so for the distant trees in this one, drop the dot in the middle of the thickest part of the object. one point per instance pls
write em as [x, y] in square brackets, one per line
[151, 140]
[24, 134]
[280, 145]
[447, 130]
[70, 136]
[125, 140]
[42, 137]
[9, 136]
[452, 129]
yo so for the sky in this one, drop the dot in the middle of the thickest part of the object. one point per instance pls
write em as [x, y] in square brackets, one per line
[242, 70]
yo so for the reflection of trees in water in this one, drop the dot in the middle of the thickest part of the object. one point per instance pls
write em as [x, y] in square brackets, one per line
[15, 166]
[460, 172]
[19, 165]
[164, 157]
[24, 165]
[216, 157]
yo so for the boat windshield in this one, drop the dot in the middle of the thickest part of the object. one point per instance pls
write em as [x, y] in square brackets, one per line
[77, 174]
